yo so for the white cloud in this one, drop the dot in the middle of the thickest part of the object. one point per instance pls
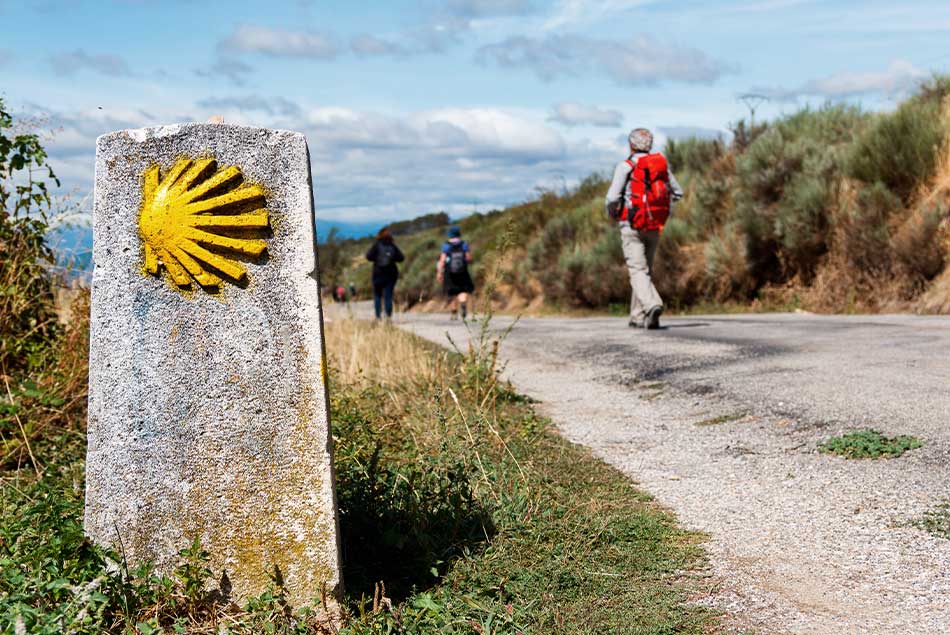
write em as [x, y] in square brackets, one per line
[575, 12]
[639, 60]
[72, 62]
[250, 38]
[898, 78]
[375, 167]
[370, 45]
[489, 132]
[270, 106]
[571, 113]
[233, 70]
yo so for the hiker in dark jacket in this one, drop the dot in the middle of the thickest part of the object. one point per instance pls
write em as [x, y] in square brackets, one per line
[452, 271]
[384, 254]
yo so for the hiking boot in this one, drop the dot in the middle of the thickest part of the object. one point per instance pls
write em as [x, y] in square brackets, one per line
[653, 317]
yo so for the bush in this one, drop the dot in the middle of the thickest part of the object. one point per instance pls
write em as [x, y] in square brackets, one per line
[592, 276]
[784, 189]
[900, 149]
[27, 312]
[914, 244]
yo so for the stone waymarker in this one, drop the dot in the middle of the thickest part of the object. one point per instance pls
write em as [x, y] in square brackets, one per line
[207, 384]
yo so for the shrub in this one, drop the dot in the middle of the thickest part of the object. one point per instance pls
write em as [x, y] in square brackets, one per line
[693, 156]
[27, 315]
[914, 243]
[784, 193]
[592, 276]
[900, 149]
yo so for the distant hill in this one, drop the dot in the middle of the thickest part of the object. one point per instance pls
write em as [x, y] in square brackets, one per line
[832, 209]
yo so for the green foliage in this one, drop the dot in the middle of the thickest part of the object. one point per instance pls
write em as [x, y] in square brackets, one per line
[693, 156]
[403, 513]
[27, 317]
[900, 149]
[820, 204]
[869, 444]
[565, 527]
[459, 512]
[936, 521]
[784, 181]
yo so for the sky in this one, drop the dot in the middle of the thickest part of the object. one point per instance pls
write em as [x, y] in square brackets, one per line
[464, 105]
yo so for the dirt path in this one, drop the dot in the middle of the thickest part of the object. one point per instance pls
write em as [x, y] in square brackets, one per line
[800, 542]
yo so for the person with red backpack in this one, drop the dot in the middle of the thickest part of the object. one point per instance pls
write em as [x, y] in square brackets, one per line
[640, 198]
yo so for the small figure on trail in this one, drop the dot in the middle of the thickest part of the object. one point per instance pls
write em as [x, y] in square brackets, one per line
[352, 288]
[452, 271]
[384, 254]
[640, 199]
[339, 295]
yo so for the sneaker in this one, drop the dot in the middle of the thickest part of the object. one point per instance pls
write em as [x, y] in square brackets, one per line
[653, 317]
[635, 324]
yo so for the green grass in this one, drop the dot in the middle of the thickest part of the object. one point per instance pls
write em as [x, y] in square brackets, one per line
[869, 444]
[460, 512]
[543, 537]
[936, 521]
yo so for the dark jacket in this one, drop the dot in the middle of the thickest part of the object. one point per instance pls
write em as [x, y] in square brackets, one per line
[386, 274]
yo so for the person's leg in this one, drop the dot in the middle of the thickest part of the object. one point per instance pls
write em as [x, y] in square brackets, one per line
[643, 295]
[463, 307]
[652, 240]
[388, 293]
[378, 300]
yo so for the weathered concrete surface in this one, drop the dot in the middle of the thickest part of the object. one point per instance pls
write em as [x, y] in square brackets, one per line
[799, 542]
[208, 415]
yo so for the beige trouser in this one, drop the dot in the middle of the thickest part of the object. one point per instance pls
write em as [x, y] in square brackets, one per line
[639, 247]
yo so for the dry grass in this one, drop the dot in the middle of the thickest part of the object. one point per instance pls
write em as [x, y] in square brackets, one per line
[363, 352]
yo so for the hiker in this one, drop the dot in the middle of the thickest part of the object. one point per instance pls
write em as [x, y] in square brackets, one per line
[352, 288]
[639, 199]
[452, 271]
[384, 254]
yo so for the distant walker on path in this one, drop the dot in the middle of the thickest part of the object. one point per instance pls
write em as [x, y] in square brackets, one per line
[384, 254]
[640, 200]
[452, 271]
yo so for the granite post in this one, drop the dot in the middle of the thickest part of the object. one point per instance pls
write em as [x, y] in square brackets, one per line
[208, 413]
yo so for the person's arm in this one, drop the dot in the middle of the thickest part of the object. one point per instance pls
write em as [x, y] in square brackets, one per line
[440, 268]
[468, 252]
[371, 254]
[614, 201]
[399, 257]
[675, 188]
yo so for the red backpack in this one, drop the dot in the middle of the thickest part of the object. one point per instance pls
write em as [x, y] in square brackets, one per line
[647, 195]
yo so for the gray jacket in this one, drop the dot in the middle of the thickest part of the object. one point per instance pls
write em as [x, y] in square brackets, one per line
[619, 183]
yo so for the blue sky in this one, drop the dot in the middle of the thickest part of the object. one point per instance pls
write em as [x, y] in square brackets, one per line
[415, 107]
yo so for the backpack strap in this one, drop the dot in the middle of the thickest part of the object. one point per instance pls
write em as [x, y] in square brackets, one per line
[626, 184]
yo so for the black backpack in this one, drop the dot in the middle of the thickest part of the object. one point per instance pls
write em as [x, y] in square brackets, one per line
[385, 254]
[456, 258]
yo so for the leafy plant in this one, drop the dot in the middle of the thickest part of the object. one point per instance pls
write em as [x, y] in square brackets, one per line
[869, 444]
[27, 317]
[936, 521]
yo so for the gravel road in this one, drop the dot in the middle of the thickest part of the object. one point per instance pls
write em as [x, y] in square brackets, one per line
[799, 542]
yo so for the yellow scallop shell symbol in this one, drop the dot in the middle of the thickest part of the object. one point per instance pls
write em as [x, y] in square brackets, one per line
[196, 217]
